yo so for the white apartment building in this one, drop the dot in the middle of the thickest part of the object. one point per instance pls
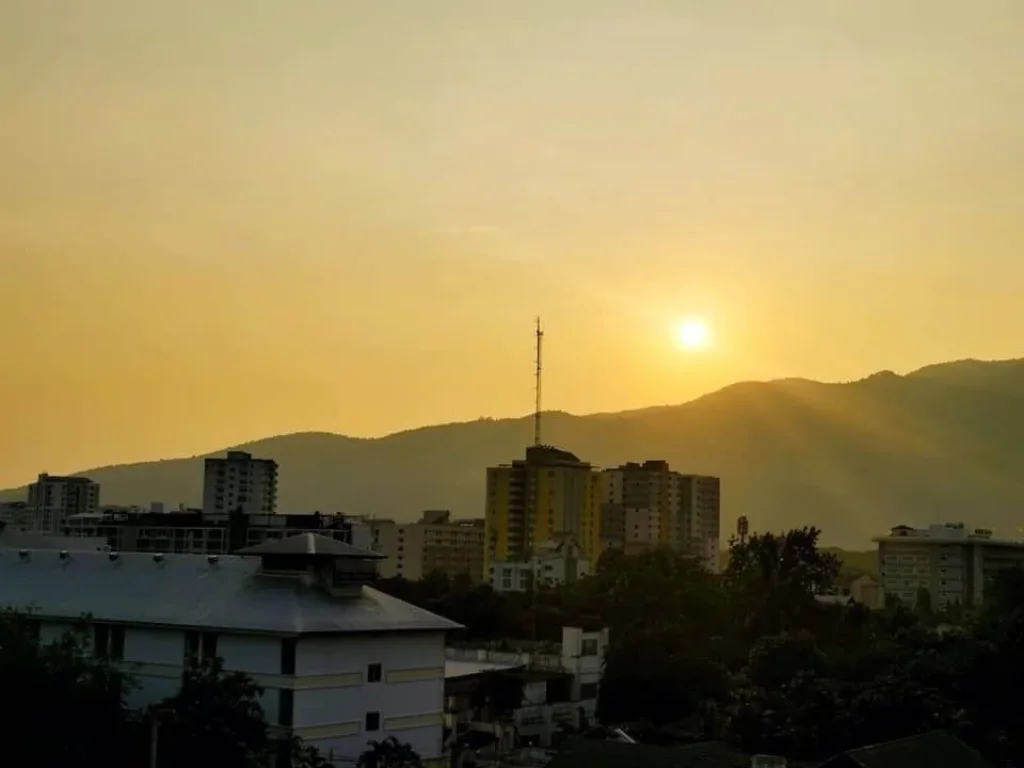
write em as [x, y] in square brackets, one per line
[341, 662]
[561, 685]
[553, 564]
[239, 482]
[953, 563]
[52, 499]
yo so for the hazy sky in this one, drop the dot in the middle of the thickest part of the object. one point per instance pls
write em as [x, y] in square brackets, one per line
[224, 219]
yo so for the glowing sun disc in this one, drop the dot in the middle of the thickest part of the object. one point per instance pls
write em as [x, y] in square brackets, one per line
[693, 334]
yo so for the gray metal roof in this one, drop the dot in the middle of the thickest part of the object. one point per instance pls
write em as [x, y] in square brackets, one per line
[310, 544]
[229, 594]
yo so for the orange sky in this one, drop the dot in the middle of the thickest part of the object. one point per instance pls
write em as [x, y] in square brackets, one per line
[220, 221]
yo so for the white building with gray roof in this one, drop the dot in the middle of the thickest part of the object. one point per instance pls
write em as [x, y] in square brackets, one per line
[341, 662]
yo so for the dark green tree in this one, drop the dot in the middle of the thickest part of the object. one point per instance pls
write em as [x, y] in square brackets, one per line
[216, 718]
[73, 710]
[773, 579]
[498, 695]
[389, 753]
[658, 678]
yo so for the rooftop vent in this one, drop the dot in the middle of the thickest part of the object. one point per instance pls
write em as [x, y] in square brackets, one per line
[112, 556]
[158, 557]
[64, 554]
[23, 554]
[213, 559]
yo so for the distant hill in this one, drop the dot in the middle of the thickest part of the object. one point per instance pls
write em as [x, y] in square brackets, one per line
[943, 443]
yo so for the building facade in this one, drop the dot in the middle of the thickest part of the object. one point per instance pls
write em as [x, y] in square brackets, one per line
[561, 686]
[238, 482]
[16, 513]
[434, 544]
[547, 495]
[196, 532]
[52, 499]
[553, 564]
[340, 662]
[645, 505]
[954, 564]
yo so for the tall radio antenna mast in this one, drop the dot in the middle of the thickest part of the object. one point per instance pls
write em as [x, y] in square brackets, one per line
[536, 411]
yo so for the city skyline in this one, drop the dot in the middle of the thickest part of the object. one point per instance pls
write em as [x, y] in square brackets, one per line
[233, 220]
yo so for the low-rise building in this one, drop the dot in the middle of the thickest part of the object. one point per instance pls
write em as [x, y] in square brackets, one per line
[560, 684]
[340, 662]
[192, 531]
[433, 544]
[15, 513]
[553, 564]
[950, 562]
[12, 537]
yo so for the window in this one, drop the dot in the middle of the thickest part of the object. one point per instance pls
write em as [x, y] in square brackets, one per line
[285, 707]
[200, 647]
[373, 673]
[589, 648]
[288, 656]
[117, 643]
[191, 649]
[209, 650]
[373, 721]
[108, 642]
[588, 691]
[100, 640]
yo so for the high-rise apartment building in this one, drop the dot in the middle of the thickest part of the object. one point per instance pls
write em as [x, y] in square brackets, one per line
[952, 563]
[435, 543]
[53, 499]
[240, 483]
[649, 505]
[546, 496]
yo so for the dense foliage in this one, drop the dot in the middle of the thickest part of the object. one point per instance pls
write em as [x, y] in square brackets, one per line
[752, 657]
[215, 718]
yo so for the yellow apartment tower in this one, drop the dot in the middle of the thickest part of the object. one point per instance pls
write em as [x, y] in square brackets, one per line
[546, 496]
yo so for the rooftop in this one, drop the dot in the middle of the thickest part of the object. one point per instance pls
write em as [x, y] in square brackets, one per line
[945, 533]
[935, 750]
[226, 593]
[310, 544]
[46, 478]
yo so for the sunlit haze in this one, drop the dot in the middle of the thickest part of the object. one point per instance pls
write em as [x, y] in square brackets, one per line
[693, 334]
[226, 220]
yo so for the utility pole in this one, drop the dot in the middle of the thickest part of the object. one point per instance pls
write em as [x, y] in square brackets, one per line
[536, 410]
[154, 732]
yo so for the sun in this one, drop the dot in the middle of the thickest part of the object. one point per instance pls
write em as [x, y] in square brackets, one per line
[693, 334]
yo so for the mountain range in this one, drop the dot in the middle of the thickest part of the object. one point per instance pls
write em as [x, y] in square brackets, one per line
[944, 443]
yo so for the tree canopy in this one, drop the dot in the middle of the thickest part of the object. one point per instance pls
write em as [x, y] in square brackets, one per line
[749, 655]
[752, 656]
